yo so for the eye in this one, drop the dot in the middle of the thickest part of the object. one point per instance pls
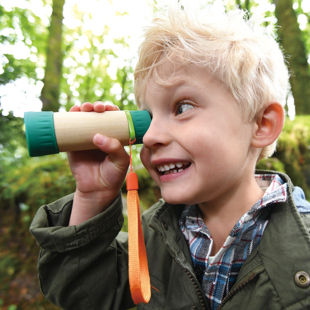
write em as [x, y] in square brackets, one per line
[183, 107]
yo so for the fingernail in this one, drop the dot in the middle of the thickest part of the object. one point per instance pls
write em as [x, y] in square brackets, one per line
[99, 139]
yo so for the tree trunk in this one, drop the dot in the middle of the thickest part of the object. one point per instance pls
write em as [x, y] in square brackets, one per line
[294, 46]
[54, 53]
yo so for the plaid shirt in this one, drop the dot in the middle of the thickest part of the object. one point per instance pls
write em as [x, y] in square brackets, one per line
[218, 275]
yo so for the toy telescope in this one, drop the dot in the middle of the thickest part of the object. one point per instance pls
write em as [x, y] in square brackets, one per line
[51, 133]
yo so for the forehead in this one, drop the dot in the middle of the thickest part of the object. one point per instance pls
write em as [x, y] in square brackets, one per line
[170, 76]
[170, 73]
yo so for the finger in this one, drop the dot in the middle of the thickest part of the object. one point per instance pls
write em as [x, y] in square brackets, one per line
[87, 107]
[75, 108]
[111, 107]
[99, 106]
[114, 149]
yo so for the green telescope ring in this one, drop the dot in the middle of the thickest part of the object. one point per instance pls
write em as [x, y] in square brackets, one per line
[40, 133]
[141, 120]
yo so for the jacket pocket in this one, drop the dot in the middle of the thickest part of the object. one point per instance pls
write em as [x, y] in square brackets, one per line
[157, 300]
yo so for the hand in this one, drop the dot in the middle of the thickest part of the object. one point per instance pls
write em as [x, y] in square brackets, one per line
[99, 173]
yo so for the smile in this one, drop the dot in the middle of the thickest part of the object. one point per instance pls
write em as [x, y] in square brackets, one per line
[170, 168]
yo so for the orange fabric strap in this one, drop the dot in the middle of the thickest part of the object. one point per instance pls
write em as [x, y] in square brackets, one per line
[139, 278]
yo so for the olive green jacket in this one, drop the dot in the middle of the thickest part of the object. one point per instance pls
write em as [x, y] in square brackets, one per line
[85, 266]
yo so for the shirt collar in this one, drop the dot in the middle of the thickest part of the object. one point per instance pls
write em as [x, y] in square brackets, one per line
[275, 191]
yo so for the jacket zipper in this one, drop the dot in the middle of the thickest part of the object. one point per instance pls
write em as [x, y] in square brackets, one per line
[196, 286]
[194, 282]
[237, 289]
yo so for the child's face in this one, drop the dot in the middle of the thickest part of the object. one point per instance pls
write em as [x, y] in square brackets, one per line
[197, 147]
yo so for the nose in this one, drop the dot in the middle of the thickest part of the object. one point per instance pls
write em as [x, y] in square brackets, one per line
[157, 134]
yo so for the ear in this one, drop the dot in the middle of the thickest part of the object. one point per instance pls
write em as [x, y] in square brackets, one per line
[268, 124]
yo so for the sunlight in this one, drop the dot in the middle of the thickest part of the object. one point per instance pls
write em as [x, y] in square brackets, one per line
[123, 18]
[21, 95]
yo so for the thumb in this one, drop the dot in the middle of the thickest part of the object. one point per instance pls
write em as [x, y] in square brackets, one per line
[113, 148]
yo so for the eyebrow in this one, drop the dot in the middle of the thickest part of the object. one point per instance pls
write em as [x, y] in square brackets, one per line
[177, 83]
[174, 83]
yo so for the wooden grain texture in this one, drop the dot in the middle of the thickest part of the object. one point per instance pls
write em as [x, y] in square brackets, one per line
[75, 130]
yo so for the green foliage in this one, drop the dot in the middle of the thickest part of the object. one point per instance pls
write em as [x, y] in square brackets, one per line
[92, 68]
[38, 182]
[20, 25]
[125, 225]
[293, 151]
[22, 191]
[12, 146]
[292, 155]
[11, 132]
[271, 164]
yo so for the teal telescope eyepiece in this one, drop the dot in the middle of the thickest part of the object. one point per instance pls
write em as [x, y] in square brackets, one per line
[53, 132]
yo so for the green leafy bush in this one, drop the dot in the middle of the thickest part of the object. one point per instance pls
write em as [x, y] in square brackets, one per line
[292, 155]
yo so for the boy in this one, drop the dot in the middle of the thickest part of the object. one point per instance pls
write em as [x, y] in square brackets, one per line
[221, 238]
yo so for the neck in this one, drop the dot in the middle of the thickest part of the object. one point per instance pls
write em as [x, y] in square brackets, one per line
[221, 214]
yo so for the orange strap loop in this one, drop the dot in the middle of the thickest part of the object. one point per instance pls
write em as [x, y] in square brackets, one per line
[139, 278]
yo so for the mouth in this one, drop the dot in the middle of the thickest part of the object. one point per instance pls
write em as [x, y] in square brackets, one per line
[170, 168]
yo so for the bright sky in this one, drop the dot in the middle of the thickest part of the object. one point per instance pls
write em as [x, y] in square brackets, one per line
[23, 94]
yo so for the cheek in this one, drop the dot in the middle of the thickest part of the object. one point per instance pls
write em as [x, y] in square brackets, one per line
[145, 157]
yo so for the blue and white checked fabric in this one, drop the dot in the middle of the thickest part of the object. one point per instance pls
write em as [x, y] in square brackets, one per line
[217, 276]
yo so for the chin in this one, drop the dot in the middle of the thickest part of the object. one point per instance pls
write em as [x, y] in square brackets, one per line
[179, 197]
[173, 200]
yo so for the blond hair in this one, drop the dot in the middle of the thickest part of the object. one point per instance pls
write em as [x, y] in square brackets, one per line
[238, 51]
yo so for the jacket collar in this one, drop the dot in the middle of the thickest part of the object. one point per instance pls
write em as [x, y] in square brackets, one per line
[283, 251]
[165, 221]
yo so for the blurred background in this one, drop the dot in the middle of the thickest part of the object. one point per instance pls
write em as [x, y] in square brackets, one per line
[58, 53]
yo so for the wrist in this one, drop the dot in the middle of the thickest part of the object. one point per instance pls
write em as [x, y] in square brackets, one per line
[88, 205]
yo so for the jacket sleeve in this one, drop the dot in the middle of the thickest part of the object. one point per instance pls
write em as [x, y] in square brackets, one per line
[83, 266]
